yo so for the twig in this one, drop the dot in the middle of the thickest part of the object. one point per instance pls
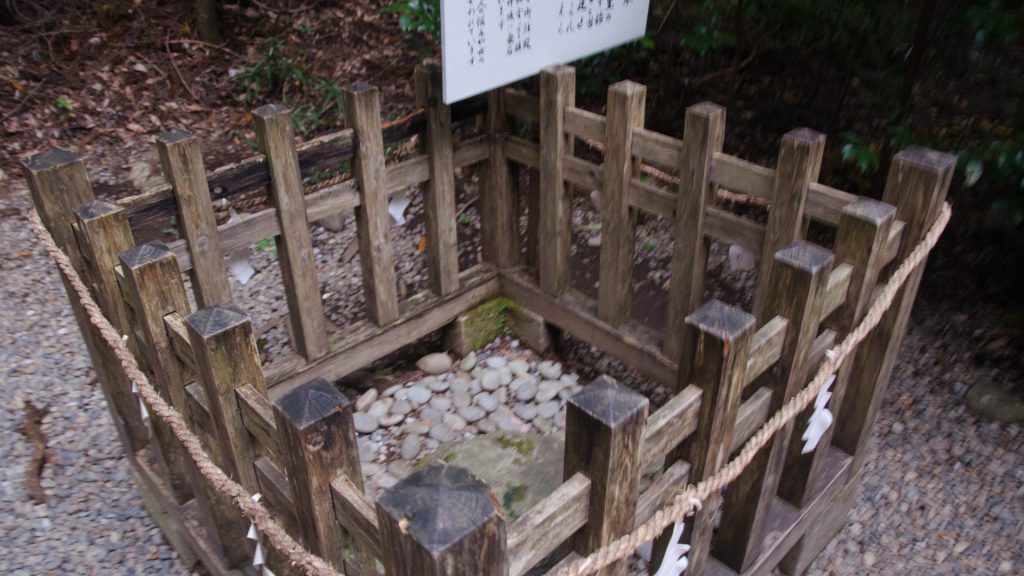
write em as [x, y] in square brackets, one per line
[170, 56]
[726, 71]
[21, 105]
[32, 429]
[187, 41]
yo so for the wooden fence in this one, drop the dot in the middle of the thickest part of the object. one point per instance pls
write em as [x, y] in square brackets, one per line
[283, 430]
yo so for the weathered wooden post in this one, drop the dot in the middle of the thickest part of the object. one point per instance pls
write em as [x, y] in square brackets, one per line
[276, 136]
[318, 444]
[626, 105]
[703, 134]
[604, 428]
[58, 183]
[557, 90]
[439, 196]
[799, 278]
[499, 220]
[442, 521]
[226, 359]
[362, 114]
[182, 163]
[798, 166]
[718, 337]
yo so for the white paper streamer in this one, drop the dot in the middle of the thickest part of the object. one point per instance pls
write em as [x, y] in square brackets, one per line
[396, 208]
[675, 561]
[259, 556]
[238, 261]
[820, 419]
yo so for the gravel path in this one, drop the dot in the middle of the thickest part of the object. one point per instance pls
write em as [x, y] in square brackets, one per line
[943, 491]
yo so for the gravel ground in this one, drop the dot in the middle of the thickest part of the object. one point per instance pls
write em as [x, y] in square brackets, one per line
[943, 490]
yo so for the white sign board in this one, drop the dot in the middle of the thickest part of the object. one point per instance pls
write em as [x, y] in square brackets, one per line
[490, 43]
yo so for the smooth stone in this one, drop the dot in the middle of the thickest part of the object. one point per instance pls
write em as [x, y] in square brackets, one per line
[548, 409]
[441, 403]
[381, 407]
[430, 414]
[490, 381]
[526, 411]
[371, 468]
[548, 389]
[474, 386]
[570, 379]
[365, 423]
[367, 398]
[741, 259]
[401, 407]
[477, 372]
[486, 426]
[496, 362]
[527, 391]
[550, 370]
[486, 401]
[454, 421]
[519, 367]
[419, 395]
[501, 395]
[436, 363]
[390, 391]
[441, 432]
[438, 385]
[518, 382]
[385, 480]
[544, 426]
[462, 400]
[417, 427]
[459, 385]
[510, 423]
[401, 394]
[506, 376]
[400, 468]
[468, 363]
[471, 413]
[411, 446]
[389, 420]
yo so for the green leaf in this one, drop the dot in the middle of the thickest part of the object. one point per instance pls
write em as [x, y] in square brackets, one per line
[972, 172]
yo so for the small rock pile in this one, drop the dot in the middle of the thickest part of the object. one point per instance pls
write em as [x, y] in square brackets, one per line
[501, 388]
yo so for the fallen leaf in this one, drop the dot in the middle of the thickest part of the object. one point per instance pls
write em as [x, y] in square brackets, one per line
[422, 244]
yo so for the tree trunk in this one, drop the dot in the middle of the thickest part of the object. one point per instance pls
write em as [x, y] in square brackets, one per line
[208, 20]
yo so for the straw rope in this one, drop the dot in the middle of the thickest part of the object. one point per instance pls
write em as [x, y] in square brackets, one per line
[260, 516]
[685, 502]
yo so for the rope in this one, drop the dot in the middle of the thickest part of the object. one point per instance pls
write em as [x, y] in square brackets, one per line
[260, 516]
[683, 503]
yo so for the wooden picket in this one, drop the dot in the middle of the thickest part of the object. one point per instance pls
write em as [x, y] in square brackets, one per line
[728, 369]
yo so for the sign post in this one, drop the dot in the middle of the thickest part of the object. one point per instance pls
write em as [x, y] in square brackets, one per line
[490, 43]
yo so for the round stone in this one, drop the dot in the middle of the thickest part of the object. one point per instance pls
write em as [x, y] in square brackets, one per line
[548, 409]
[401, 407]
[486, 426]
[486, 401]
[490, 381]
[518, 382]
[390, 391]
[526, 411]
[527, 391]
[437, 363]
[471, 413]
[419, 395]
[459, 385]
[365, 423]
[548, 389]
[496, 362]
[431, 415]
[550, 370]
[367, 398]
[505, 376]
[542, 425]
[411, 446]
[454, 421]
[440, 403]
[519, 367]
[462, 399]
[570, 379]
[442, 432]
[389, 420]
[468, 363]
[380, 407]
[438, 384]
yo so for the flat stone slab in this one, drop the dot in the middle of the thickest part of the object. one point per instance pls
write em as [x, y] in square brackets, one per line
[521, 468]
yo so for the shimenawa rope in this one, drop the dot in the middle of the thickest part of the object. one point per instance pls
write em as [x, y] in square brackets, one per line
[682, 504]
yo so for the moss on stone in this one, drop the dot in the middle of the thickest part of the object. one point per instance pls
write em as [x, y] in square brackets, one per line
[522, 446]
